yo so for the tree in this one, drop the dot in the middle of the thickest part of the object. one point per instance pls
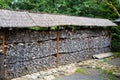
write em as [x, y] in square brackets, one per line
[112, 6]
[4, 3]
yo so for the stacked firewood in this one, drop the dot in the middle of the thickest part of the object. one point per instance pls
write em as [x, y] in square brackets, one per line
[29, 51]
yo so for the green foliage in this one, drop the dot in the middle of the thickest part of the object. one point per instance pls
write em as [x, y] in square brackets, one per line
[4, 3]
[53, 28]
[90, 8]
[109, 74]
[38, 28]
[117, 54]
[97, 67]
[116, 30]
[80, 70]
[115, 45]
[115, 38]
[35, 28]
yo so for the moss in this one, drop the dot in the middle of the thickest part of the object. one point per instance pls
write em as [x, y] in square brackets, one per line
[97, 67]
[116, 54]
[104, 60]
[37, 28]
[80, 70]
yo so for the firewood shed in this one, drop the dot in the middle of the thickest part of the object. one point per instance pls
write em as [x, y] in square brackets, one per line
[25, 51]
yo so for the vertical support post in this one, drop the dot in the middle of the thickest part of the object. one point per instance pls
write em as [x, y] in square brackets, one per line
[3, 43]
[3, 54]
[57, 47]
[110, 33]
[89, 44]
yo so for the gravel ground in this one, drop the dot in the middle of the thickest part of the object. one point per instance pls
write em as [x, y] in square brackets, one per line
[93, 74]
[93, 70]
[90, 74]
[115, 61]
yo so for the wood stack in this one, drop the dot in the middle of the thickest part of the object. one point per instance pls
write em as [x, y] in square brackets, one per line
[30, 51]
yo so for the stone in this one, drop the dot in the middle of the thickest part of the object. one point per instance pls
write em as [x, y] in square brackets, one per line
[93, 66]
[54, 71]
[50, 77]
[56, 75]
[69, 71]
[34, 77]
[103, 68]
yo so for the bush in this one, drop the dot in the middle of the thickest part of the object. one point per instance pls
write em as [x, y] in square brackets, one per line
[115, 46]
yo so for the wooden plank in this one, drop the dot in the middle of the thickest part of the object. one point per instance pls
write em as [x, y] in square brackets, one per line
[102, 55]
[57, 48]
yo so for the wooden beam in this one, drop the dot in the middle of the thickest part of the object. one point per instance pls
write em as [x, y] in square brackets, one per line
[89, 44]
[110, 33]
[57, 47]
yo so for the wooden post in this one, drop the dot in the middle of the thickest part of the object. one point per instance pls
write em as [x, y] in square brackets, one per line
[3, 43]
[57, 47]
[89, 44]
[3, 55]
[110, 33]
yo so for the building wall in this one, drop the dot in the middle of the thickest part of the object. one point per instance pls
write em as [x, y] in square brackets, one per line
[30, 51]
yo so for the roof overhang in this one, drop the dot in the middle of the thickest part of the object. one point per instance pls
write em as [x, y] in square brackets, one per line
[117, 20]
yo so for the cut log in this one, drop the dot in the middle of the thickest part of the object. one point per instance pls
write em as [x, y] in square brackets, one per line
[102, 55]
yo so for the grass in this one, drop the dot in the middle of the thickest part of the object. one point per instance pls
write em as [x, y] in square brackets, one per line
[109, 74]
[80, 70]
[104, 60]
[116, 54]
[97, 67]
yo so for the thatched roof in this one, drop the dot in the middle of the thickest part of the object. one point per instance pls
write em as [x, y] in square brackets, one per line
[58, 20]
[15, 19]
[25, 19]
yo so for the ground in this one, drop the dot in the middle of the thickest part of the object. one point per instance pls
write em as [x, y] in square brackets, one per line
[93, 74]
[93, 69]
